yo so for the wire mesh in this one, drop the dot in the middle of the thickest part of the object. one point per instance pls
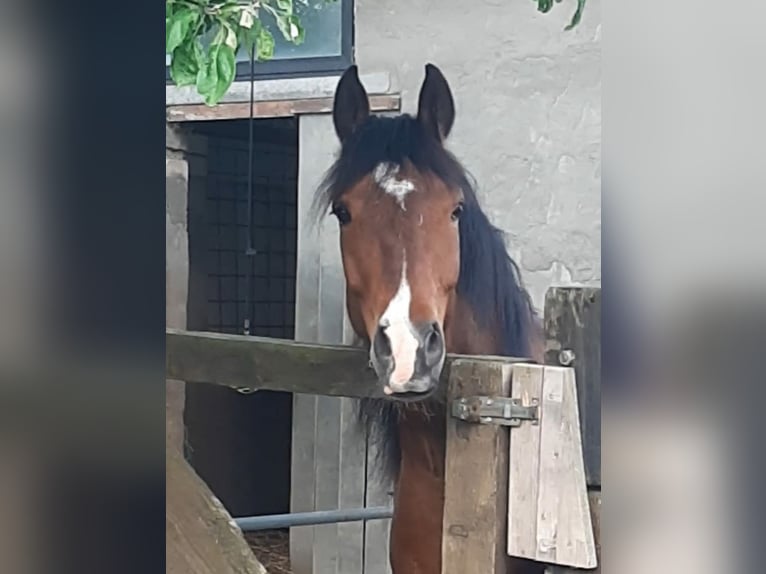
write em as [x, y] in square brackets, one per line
[271, 269]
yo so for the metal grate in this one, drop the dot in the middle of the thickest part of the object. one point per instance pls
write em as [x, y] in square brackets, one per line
[271, 268]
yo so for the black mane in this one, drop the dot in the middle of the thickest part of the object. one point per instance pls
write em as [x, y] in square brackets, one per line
[489, 279]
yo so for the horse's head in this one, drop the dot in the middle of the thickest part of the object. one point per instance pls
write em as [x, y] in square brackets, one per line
[396, 194]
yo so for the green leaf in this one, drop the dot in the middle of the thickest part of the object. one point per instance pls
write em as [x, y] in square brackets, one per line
[207, 76]
[231, 38]
[185, 63]
[283, 24]
[249, 37]
[178, 27]
[297, 33]
[291, 28]
[544, 6]
[225, 71]
[265, 49]
[246, 18]
[577, 15]
[285, 6]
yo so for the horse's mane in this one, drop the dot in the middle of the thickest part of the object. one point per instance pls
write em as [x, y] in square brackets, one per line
[489, 279]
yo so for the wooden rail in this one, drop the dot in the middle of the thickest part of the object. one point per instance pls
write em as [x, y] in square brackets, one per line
[478, 455]
[240, 361]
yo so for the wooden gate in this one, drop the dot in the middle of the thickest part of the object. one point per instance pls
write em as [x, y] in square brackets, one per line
[523, 441]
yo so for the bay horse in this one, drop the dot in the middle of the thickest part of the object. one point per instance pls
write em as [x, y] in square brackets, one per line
[426, 274]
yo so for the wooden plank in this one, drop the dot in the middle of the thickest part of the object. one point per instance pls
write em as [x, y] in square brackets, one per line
[377, 533]
[201, 536]
[475, 534]
[263, 363]
[526, 384]
[351, 489]
[573, 322]
[548, 513]
[327, 440]
[594, 498]
[564, 529]
[326, 483]
[353, 453]
[269, 109]
[176, 282]
[303, 465]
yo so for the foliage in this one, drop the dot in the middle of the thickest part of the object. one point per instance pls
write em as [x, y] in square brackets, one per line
[545, 6]
[204, 36]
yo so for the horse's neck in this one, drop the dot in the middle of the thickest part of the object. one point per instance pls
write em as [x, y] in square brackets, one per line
[464, 336]
[422, 427]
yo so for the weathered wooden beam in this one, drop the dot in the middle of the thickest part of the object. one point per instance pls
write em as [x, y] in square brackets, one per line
[202, 538]
[573, 338]
[476, 477]
[240, 361]
[548, 516]
[594, 499]
[269, 109]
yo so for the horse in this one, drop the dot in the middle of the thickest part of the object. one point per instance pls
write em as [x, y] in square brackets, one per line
[426, 273]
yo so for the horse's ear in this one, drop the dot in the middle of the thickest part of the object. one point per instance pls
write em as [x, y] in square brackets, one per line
[436, 108]
[351, 106]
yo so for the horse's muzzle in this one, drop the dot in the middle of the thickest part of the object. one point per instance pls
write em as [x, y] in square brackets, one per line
[423, 374]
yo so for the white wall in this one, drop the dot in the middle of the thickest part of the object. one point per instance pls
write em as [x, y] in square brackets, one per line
[528, 125]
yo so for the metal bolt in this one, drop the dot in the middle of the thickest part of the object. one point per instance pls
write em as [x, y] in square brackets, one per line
[566, 357]
[245, 390]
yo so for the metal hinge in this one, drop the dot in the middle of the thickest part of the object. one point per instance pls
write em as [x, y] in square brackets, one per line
[495, 410]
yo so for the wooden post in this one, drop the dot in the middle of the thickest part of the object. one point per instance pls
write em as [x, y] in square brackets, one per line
[573, 338]
[201, 536]
[594, 498]
[548, 514]
[176, 276]
[474, 538]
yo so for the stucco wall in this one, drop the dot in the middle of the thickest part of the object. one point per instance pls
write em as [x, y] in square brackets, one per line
[528, 125]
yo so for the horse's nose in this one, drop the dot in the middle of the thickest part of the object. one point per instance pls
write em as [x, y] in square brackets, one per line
[431, 352]
[408, 358]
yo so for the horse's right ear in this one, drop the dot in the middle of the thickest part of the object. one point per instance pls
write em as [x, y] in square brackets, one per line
[351, 106]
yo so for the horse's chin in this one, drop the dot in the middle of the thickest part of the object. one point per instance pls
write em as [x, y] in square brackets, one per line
[412, 396]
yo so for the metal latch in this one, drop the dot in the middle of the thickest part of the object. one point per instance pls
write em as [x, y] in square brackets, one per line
[495, 410]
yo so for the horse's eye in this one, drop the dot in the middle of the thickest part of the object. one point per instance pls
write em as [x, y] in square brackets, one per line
[339, 210]
[457, 212]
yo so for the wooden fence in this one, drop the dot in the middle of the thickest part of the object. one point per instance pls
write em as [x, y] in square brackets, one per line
[523, 439]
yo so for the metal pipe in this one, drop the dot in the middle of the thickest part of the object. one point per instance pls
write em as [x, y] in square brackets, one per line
[252, 523]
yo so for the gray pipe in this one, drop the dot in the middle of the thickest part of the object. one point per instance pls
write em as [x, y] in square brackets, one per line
[252, 523]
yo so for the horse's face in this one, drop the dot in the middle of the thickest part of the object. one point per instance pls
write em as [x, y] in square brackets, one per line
[400, 247]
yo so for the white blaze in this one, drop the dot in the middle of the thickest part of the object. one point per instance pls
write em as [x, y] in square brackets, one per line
[398, 328]
[385, 176]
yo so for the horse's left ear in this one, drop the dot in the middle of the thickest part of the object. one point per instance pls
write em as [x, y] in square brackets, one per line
[436, 108]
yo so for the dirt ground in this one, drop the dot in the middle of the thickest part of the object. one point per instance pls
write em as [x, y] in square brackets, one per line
[272, 548]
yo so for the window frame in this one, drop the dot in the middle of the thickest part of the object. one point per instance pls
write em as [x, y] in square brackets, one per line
[303, 67]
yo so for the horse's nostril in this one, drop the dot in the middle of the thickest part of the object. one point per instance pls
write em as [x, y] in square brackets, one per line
[434, 345]
[382, 344]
